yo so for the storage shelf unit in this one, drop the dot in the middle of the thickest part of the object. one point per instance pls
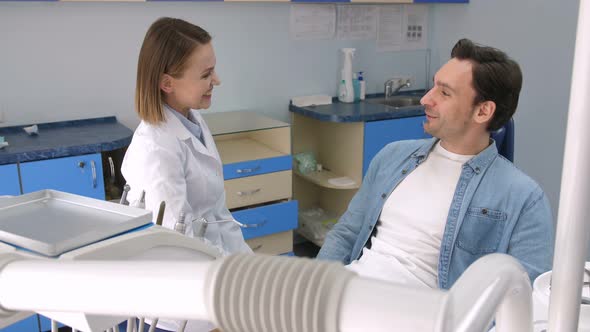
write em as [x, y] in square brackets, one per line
[345, 149]
[256, 155]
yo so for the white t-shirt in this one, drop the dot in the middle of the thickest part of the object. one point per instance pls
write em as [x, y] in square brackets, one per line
[406, 246]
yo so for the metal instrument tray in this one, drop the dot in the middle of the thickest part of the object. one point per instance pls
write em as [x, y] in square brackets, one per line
[51, 222]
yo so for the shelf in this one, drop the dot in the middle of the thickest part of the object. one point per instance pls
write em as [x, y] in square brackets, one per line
[321, 179]
[244, 149]
[310, 238]
[315, 223]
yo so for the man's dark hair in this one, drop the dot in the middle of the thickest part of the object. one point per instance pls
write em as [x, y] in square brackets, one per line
[496, 77]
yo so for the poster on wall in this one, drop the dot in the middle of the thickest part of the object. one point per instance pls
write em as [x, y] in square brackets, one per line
[356, 22]
[311, 21]
[415, 27]
[389, 28]
[402, 27]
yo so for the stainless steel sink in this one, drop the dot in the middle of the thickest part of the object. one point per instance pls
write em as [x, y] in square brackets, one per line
[397, 101]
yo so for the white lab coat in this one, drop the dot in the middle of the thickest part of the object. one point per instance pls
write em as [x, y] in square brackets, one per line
[172, 165]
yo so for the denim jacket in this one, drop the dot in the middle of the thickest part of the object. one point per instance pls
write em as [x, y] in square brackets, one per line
[496, 208]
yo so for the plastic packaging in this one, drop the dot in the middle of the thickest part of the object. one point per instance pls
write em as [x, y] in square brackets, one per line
[315, 223]
[363, 87]
[306, 162]
[348, 95]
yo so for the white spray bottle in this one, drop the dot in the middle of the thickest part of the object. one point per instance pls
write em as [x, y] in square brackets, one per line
[346, 93]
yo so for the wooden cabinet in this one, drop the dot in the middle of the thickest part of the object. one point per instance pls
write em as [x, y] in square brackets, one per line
[9, 184]
[256, 155]
[345, 150]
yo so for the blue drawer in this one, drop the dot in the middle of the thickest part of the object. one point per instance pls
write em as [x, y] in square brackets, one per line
[9, 184]
[274, 218]
[256, 167]
[29, 324]
[80, 175]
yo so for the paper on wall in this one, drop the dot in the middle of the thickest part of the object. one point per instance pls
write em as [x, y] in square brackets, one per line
[402, 27]
[356, 22]
[415, 25]
[311, 21]
[389, 28]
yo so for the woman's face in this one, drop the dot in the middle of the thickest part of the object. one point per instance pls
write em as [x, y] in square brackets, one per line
[193, 89]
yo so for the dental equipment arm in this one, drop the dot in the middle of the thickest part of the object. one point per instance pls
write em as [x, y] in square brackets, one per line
[573, 228]
[251, 293]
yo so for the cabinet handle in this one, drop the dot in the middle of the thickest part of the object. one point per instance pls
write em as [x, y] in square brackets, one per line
[112, 168]
[248, 193]
[260, 224]
[248, 170]
[257, 247]
[93, 164]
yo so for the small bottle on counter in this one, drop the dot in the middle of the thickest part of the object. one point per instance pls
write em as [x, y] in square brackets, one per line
[362, 85]
[356, 86]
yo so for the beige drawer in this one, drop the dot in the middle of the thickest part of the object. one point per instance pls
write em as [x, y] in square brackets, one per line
[257, 189]
[274, 244]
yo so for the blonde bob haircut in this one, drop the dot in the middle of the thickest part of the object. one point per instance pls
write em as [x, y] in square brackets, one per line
[167, 46]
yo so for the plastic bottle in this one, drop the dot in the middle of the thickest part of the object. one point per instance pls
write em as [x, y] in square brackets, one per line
[356, 86]
[348, 95]
[342, 90]
[363, 87]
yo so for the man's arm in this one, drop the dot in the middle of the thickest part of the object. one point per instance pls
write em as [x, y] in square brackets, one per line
[532, 238]
[340, 240]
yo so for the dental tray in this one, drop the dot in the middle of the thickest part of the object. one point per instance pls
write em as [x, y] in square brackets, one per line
[51, 222]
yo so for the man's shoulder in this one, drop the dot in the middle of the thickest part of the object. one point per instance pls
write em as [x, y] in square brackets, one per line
[504, 171]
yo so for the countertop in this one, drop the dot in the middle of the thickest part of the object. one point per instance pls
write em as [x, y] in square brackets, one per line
[362, 111]
[64, 139]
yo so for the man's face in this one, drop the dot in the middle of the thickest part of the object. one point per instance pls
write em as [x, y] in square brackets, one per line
[449, 104]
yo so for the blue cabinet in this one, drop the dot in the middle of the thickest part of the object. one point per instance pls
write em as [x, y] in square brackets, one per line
[380, 133]
[81, 175]
[268, 219]
[29, 324]
[9, 180]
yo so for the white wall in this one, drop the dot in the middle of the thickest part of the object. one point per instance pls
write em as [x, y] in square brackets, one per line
[61, 61]
[540, 35]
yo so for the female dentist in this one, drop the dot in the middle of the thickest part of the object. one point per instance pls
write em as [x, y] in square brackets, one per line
[172, 156]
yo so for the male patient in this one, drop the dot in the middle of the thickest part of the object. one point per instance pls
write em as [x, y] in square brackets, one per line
[427, 209]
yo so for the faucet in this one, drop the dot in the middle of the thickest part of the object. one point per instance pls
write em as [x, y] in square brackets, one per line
[390, 91]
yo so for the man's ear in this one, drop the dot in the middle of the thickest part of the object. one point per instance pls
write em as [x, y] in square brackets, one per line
[484, 112]
[166, 83]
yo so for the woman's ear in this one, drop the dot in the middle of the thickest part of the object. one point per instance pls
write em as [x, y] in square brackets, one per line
[485, 112]
[166, 83]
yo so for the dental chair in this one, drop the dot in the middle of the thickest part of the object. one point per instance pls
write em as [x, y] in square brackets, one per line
[504, 138]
